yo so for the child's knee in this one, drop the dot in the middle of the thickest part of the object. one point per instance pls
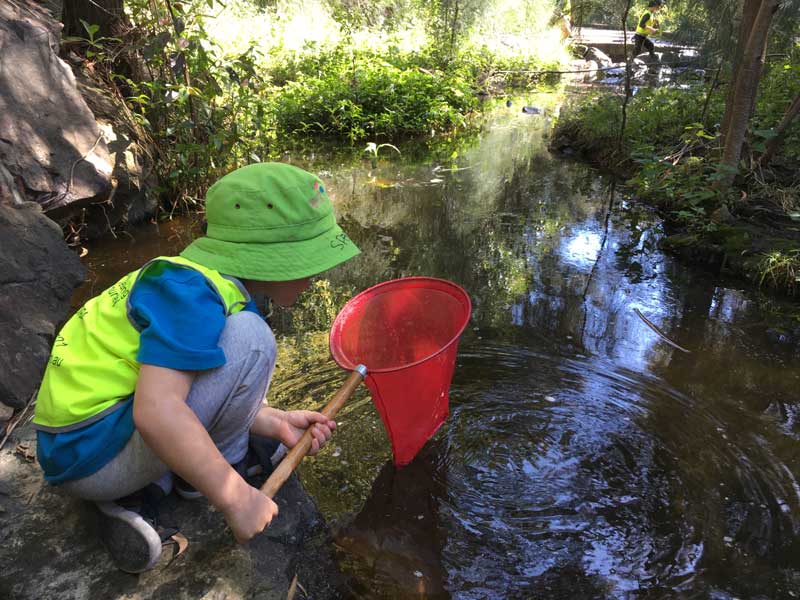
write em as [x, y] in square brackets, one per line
[247, 329]
[249, 344]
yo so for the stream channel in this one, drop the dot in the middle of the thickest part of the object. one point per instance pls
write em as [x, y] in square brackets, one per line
[584, 456]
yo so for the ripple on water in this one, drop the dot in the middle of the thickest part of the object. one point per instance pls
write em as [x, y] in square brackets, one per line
[576, 466]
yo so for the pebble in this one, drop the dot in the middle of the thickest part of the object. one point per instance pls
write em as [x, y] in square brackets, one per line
[6, 412]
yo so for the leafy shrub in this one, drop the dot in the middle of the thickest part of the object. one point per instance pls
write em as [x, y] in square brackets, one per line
[362, 95]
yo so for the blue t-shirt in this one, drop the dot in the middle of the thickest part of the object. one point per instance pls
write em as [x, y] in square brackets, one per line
[181, 319]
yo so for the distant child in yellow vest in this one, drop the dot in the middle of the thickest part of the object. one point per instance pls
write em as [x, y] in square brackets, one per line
[647, 25]
[161, 378]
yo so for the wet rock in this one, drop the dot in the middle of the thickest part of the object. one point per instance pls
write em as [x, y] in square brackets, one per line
[670, 57]
[133, 175]
[6, 412]
[598, 56]
[779, 336]
[37, 275]
[590, 67]
[50, 141]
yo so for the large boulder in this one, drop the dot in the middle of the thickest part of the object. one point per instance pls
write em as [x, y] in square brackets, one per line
[50, 141]
[601, 58]
[37, 275]
[133, 178]
[51, 549]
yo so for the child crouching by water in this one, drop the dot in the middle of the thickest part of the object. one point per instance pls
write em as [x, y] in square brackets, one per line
[166, 371]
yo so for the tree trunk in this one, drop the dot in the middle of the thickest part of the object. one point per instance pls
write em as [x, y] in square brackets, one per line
[749, 14]
[624, 120]
[780, 131]
[744, 93]
[105, 13]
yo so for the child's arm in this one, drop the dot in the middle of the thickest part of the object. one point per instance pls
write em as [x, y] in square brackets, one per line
[173, 432]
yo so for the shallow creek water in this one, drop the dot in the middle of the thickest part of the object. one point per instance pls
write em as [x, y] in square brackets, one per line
[584, 457]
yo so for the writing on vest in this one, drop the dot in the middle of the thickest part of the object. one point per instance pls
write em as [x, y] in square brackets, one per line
[93, 366]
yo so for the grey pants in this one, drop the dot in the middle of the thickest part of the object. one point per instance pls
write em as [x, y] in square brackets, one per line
[225, 400]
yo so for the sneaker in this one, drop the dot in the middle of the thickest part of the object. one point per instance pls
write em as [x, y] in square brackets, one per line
[186, 490]
[131, 532]
[262, 456]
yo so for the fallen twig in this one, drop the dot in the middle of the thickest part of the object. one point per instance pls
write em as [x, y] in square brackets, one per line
[72, 169]
[659, 332]
[13, 425]
[292, 588]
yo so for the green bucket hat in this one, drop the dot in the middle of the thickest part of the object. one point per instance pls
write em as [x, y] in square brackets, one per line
[270, 222]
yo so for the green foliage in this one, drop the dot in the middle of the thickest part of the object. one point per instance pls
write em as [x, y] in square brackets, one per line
[670, 154]
[372, 149]
[96, 46]
[212, 96]
[686, 189]
[449, 22]
[780, 270]
[779, 86]
[360, 94]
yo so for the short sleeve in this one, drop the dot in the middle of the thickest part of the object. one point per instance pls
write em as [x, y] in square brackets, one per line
[180, 318]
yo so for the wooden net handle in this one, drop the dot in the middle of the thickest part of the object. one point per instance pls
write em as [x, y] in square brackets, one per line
[298, 453]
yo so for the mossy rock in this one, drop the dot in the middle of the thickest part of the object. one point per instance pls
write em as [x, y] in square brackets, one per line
[729, 238]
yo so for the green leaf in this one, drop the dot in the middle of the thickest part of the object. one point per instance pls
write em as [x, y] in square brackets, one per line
[767, 134]
[90, 29]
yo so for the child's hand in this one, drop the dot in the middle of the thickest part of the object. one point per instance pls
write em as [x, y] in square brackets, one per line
[295, 422]
[250, 514]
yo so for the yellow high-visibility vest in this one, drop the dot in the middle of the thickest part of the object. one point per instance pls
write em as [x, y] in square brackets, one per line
[93, 364]
[651, 22]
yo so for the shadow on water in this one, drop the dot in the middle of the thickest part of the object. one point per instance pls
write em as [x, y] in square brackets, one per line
[392, 547]
[584, 456]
